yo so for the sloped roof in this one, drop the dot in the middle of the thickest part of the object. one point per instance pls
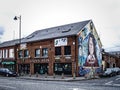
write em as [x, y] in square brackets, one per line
[9, 43]
[55, 32]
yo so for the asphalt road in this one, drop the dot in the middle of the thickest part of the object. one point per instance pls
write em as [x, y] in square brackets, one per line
[11, 83]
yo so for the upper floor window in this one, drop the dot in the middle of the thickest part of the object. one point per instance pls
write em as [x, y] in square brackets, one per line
[67, 50]
[37, 52]
[11, 53]
[0, 53]
[26, 53]
[45, 52]
[57, 50]
[5, 53]
[20, 54]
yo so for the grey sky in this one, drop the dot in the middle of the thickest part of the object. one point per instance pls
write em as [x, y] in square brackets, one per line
[1, 30]
[40, 14]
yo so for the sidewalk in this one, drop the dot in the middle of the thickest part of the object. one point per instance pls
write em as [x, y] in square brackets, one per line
[52, 78]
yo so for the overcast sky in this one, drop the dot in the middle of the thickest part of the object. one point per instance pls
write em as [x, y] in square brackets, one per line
[41, 14]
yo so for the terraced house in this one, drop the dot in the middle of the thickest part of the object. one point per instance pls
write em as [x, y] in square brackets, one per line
[68, 49]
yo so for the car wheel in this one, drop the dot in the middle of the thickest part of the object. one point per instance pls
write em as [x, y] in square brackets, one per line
[7, 75]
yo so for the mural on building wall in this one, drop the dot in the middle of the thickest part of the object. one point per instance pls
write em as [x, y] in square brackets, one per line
[89, 51]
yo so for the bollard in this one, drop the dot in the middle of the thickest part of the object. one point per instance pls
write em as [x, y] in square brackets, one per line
[29, 74]
[45, 75]
[36, 74]
[53, 75]
[62, 75]
[74, 76]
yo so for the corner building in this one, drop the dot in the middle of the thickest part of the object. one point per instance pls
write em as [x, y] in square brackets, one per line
[63, 49]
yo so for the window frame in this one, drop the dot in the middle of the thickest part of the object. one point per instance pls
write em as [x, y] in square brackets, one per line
[11, 53]
[59, 48]
[46, 52]
[26, 53]
[20, 54]
[37, 50]
[66, 51]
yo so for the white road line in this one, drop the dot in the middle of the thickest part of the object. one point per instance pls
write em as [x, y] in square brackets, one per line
[117, 78]
[108, 83]
[116, 84]
[10, 87]
[76, 89]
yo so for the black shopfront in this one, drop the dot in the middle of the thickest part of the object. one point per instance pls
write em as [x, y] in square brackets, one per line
[24, 68]
[41, 68]
[65, 68]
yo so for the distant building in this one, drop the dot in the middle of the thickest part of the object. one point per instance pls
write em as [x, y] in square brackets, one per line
[68, 49]
[117, 55]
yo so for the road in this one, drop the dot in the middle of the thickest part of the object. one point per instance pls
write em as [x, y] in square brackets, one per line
[11, 83]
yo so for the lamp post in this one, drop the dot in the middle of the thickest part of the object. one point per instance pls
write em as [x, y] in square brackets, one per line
[16, 18]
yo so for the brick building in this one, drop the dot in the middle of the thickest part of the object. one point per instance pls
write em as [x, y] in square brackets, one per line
[110, 61]
[62, 49]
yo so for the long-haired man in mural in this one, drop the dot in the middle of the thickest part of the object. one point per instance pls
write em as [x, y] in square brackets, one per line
[91, 59]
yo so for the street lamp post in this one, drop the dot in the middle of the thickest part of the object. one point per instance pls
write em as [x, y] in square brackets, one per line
[16, 18]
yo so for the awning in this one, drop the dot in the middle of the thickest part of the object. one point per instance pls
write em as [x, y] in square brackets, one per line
[8, 62]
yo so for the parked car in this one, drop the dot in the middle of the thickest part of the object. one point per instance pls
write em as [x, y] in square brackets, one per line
[108, 73]
[117, 70]
[7, 72]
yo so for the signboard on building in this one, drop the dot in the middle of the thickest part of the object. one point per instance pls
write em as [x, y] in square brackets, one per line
[60, 42]
[23, 46]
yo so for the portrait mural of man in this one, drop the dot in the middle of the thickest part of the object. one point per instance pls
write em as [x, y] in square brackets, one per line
[89, 54]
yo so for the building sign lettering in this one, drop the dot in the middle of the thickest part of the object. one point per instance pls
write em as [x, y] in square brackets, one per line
[60, 42]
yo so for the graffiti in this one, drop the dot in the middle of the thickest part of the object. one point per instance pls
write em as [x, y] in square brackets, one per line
[89, 54]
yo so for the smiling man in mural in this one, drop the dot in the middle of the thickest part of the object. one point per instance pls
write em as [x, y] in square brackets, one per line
[91, 60]
[89, 51]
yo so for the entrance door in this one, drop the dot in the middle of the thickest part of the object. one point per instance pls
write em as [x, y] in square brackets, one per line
[41, 68]
[24, 68]
[65, 68]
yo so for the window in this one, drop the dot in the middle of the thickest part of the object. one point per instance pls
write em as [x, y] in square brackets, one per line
[26, 53]
[5, 53]
[45, 52]
[37, 52]
[20, 54]
[57, 50]
[0, 53]
[11, 53]
[67, 50]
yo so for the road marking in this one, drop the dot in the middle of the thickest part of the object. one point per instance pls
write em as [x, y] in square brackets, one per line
[10, 87]
[116, 84]
[76, 89]
[108, 83]
[117, 78]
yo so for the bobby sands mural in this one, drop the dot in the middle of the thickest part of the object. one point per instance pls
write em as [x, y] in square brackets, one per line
[91, 59]
[89, 54]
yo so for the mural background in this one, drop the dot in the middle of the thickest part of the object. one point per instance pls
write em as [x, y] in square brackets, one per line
[83, 50]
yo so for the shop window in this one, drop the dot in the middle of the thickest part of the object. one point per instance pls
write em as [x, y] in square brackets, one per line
[37, 52]
[45, 52]
[65, 68]
[20, 54]
[5, 53]
[67, 50]
[57, 50]
[11, 53]
[26, 53]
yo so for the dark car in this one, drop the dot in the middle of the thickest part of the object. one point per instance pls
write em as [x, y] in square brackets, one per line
[7, 72]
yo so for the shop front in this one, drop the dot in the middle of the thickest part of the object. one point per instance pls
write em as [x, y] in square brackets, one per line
[10, 65]
[65, 68]
[41, 68]
[24, 68]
